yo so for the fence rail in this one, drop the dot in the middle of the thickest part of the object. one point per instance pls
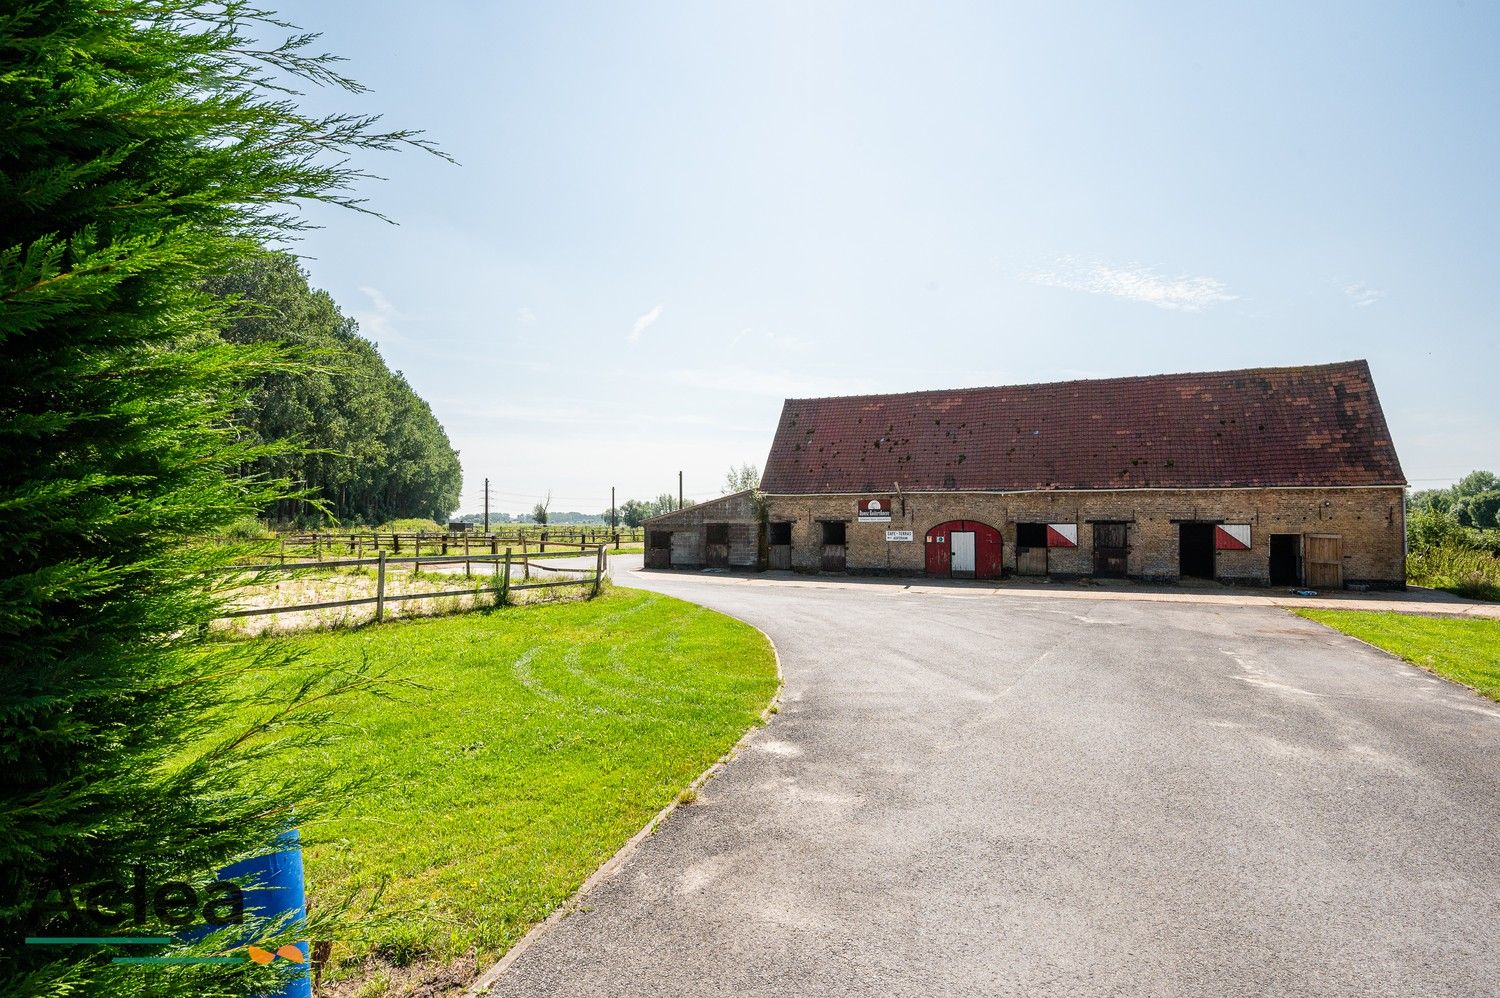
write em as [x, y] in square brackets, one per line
[324, 543]
[501, 588]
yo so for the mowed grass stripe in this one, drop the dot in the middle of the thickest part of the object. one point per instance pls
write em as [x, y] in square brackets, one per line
[1465, 650]
[546, 737]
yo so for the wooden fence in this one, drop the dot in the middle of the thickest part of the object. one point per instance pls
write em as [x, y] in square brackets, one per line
[357, 543]
[501, 588]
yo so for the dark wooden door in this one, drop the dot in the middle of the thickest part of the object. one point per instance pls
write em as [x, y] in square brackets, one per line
[835, 536]
[1111, 549]
[658, 549]
[716, 545]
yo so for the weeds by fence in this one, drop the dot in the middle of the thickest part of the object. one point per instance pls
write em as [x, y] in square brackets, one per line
[501, 570]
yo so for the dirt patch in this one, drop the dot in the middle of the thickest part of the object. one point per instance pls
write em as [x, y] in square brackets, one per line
[381, 979]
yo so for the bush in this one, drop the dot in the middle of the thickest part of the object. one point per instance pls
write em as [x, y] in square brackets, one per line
[1457, 568]
[1431, 527]
[412, 526]
[246, 528]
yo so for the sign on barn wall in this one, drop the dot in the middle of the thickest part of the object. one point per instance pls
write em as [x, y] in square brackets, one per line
[874, 511]
[898, 535]
[1232, 536]
[1062, 535]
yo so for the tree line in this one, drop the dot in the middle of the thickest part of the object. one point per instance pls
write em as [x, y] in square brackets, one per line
[1464, 511]
[366, 448]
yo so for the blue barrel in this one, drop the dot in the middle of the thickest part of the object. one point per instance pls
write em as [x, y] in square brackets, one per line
[279, 890]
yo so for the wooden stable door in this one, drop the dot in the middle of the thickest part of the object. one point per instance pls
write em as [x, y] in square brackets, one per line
[963, 552]
[1323, 560]
[1111, 550]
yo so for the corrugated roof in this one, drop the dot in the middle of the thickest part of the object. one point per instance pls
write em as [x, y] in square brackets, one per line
[1287, 426]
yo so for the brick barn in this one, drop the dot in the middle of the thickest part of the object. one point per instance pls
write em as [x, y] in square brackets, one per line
[1276, 476]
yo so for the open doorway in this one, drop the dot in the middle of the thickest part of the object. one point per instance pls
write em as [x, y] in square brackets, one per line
[1285, 549]
[1195, 550]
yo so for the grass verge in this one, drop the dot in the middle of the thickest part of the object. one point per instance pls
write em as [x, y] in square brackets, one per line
[543, 738]
[1465, 650]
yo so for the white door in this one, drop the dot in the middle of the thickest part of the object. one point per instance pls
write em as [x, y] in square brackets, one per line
[963, 551]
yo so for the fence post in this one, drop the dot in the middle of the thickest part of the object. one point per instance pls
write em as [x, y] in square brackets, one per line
[380, 590]
[505, 580]
[598, 570]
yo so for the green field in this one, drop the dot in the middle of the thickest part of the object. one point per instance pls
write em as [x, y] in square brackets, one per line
[1465, 650]
[542, 739]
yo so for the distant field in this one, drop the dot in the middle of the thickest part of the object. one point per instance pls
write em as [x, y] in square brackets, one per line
[1465, 650]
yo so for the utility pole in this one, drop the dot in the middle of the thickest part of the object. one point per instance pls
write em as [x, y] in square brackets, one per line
[486, 505]
[611, 508]
[679, 490]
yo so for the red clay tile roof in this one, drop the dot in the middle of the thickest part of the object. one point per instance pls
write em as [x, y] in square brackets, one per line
[1289, 426]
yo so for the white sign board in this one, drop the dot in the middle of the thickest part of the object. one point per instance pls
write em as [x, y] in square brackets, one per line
[898, 535]
[874, 511]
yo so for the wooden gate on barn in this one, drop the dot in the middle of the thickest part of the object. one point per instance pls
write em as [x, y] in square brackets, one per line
[1323, 560]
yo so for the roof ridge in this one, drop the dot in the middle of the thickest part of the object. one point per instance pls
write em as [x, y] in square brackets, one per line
[1356, 362]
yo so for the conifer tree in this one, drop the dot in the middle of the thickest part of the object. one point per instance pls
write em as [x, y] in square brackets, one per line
[148, 145]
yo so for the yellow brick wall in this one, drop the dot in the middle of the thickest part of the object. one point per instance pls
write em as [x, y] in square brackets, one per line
[1369, 520]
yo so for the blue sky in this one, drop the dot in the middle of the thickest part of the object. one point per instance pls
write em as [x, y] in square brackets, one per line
[669, 217]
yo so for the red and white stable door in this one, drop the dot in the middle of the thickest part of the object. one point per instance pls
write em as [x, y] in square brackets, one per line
[1232, 536]
[965, 549]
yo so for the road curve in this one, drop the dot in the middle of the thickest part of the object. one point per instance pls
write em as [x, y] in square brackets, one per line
[967, 793]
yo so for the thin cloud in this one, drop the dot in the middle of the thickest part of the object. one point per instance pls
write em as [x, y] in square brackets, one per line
[642, 324]
[525, 316]
[1134, 282]
[378, 322]
[779, 341]
[1361, 295]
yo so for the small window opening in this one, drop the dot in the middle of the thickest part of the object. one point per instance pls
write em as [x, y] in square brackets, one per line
[781, 533]
[659, 540]
[1031, 535]
[833, 531]
[718, 533]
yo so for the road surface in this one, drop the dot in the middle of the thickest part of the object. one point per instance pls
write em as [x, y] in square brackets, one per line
[970, 793]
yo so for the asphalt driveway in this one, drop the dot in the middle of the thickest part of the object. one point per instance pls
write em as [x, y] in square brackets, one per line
[967, 793]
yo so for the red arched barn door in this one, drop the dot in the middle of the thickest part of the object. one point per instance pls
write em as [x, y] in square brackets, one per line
[978, 550]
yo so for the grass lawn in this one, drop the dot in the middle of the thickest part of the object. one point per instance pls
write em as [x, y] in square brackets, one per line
[546, 737]
[1465, 650]
[624, 549]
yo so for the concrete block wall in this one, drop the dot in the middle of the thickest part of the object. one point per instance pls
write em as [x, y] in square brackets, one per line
[1370, 520]
[689, 528]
